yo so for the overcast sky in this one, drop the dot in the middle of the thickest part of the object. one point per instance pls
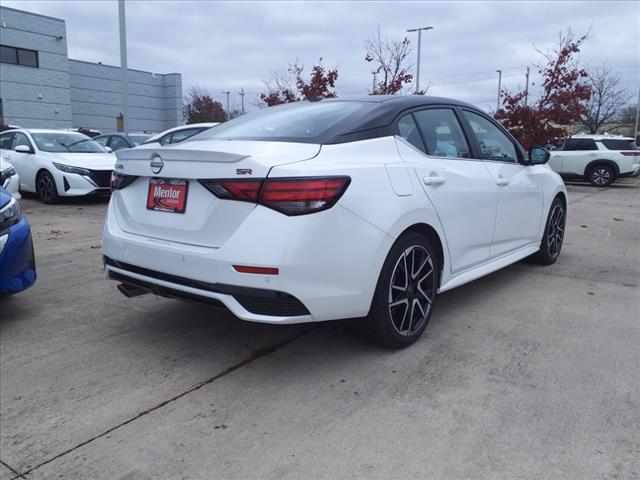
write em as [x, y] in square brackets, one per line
[232, 45]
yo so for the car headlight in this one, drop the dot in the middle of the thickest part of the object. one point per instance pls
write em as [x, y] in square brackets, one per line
[6, 174]
[70, 169]
[10, 215]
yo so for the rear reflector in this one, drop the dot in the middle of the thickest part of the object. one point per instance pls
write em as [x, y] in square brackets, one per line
[258, 270]
[291, 196]
[631, 154]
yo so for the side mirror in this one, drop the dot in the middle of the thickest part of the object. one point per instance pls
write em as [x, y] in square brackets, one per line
[538, 156]
[22, 149]
[108, 149]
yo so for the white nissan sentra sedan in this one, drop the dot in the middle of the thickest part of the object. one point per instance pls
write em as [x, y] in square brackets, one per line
[333, 209]
[57, 163]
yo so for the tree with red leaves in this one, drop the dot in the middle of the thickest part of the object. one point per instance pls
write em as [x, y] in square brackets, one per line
[391, 57]
[565, 91]
[200, 107]
[291, 87]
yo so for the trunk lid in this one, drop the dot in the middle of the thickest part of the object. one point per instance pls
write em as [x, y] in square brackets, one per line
[207, 220]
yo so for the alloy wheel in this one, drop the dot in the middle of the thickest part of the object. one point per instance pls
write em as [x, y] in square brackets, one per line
[555, 231]
[411, 290]
[45, 187]
[601, 176]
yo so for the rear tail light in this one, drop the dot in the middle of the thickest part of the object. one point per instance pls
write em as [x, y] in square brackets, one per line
[120, 180]
[291, 196]
[631, 154]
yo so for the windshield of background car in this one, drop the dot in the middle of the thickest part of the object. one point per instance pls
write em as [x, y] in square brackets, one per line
[619, 144]
[308, 122]
[66, 142]
[138, 138]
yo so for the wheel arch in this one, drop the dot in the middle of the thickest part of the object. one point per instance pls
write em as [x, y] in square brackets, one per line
[434, 238]
[602, 161]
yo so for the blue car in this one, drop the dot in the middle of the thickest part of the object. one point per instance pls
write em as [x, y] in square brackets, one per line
[17, 262]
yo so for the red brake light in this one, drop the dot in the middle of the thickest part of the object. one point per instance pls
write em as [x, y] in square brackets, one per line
[291, 196]
[244, 190]
[299, 196]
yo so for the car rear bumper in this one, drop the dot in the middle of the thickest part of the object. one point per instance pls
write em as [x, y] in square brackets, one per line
[328, 265]
[17, 261]
[634, 173]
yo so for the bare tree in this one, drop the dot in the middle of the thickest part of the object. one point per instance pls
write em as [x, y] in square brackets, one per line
[391, 60]
[608, 99]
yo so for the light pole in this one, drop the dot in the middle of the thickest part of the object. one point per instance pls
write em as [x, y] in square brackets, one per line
[227, 93]
[419, 30]
[499, 88]
[123, 65]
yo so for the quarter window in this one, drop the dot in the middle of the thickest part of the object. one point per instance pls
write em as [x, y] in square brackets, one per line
[409, 131]
[442, 133]
[494, 143]
[18, 56]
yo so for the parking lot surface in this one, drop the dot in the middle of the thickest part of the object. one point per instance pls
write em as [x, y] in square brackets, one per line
[530, 373]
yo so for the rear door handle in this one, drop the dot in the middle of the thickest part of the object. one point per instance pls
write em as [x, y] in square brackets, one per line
[501, 181]
[433, 180]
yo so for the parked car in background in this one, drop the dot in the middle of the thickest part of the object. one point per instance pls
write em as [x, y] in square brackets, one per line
[599, 159]
[57, 163]
[17, 261]
[9, 178]
[179, 134]
[89, 132]
[333, 209]
[118, 141]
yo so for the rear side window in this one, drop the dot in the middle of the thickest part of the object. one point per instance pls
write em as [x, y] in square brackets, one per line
[118, 143]
[442, 133]
[409, 131]
[5, 141]
[577, 144]
[619, 144]
[183, 135]
[494, 143]
[102, 141]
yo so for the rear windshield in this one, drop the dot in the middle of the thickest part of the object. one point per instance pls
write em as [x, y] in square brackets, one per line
[308, 122]
[138, 138]
[619, 144]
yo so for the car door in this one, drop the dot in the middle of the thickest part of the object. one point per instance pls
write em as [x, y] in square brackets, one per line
[576, 155]
[519, 187]
[459, 187]
[24, 163]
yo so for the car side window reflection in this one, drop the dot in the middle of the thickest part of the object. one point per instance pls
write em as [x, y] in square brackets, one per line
[442, 133]
[118, 143]
[20, 139]
[495, 145]
[409, 131]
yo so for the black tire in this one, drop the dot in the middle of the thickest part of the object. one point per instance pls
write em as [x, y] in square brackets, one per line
[551, 243]
[601, 175]
[46, 188]
[414, 303]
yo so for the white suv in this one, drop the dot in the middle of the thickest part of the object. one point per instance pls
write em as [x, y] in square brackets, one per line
[600, 159]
